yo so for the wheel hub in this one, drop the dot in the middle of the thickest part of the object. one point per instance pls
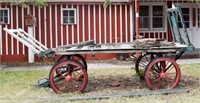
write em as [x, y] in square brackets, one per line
[162, 75]
[68, 78]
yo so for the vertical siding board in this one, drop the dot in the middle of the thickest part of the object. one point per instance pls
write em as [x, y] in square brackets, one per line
[4, 41]
[113, 23]
[45, 25]
[97, 24]
[128, 24]
[94, 12]
[107, 19]
[69, 30]
[42, 26]
[110, 23]
[11, 24]
[53, 26]
[118, 24]
[86, 23]
[9, 37]
[48, 27]
[83, 21]
[105, 25]
[72, 29]
[22, 16]
[61, 6]
[14, 26]
[37, 24]
[91, 22]
[20, 26]
[80, 23]
[17, 26]
[102, 25]
[58, 25]
[76, 26]
[131, 23]
[123, 25]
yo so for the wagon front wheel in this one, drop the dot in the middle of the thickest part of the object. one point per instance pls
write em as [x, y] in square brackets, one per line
[162, 73]
[73, 80]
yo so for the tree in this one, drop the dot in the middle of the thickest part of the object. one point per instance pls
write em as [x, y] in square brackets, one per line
[26, 3]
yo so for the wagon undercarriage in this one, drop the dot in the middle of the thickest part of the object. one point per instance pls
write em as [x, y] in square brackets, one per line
[156, 64]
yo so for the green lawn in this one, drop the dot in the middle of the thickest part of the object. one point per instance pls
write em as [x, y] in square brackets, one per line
[19, 85]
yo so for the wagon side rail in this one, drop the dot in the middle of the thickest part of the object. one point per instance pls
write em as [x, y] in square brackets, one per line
[26, 39]
[173, 14]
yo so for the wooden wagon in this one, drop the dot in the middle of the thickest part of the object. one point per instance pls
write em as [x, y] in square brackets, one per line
[156, 64]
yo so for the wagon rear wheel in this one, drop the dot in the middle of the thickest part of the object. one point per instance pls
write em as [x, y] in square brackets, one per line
[73, 80]
[142, 62]
[162, 73]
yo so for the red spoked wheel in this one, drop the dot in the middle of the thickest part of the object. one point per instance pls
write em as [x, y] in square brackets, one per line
[162, 73]
[73, 80]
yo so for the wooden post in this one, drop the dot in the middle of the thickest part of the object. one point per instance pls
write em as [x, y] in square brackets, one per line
[30, 21]
[137, 25]
[30, 51]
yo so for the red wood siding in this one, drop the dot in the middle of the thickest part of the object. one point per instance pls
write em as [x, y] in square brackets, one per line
[110, 25]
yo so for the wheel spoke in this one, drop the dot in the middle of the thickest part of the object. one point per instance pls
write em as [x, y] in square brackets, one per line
[158, 79]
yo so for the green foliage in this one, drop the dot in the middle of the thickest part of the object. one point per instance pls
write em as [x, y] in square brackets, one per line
[106, 3]
[26, 3]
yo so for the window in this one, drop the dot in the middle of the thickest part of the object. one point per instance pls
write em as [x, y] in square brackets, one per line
[152, 17]
[69, 16]
[4, 16]
[144, 17]
[157, 17]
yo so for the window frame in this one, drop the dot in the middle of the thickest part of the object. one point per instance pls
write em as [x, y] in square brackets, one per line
[164, 28]
[8, 10]
[75, 16]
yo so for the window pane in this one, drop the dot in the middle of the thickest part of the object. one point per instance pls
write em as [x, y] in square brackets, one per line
[65, 20]
[157, 10]
[65, 13]
[71, 19]
[1, 19]
[144, 10]
[187, 24]
[5, 12]
[1, 13]
[144, 22]
[157, 22]
[185, 10]
[71, 13]
[5, 19]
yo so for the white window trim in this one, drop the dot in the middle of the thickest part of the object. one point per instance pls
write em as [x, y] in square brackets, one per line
[8, 15]
[75, 16]
[151, 16]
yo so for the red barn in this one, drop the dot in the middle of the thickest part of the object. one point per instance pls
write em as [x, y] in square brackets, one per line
[64, 22]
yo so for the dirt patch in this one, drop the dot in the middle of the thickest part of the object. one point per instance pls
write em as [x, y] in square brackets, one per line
[127, 84]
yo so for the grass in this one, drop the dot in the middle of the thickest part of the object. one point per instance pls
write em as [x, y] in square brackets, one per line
[19, 85]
